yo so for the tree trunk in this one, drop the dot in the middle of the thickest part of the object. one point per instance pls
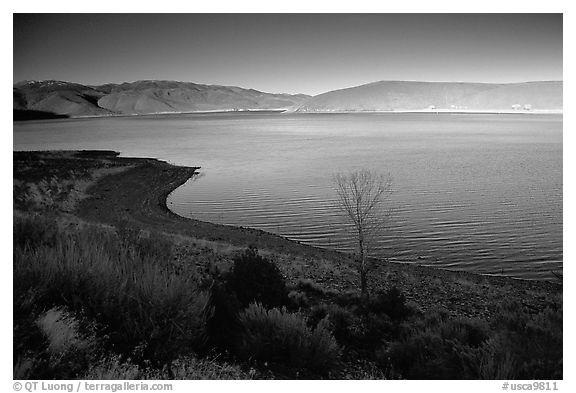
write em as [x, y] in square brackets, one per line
[363, 282]
[362, 271]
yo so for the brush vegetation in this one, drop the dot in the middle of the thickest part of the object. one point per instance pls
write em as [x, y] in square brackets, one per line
[111, 303]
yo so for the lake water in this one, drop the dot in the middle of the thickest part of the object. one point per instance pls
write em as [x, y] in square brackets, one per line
[470, 192]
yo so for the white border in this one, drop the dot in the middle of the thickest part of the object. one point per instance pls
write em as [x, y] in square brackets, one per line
[437, 6]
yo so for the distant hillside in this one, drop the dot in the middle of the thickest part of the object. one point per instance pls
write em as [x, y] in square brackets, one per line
[142, 97]
[398, 95]
[49, 99]
[57, 98]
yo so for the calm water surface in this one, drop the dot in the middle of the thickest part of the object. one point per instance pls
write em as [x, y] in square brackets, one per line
[470, 192]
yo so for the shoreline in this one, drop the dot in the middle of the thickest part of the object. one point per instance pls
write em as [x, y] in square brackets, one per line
[139, 195]
[158, 193]
[288, 111]
[136, 193]
[446, 111]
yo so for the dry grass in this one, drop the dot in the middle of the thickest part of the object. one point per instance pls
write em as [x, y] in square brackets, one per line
[61, 192]
[62, 332]
[150, 309]
[187, 368]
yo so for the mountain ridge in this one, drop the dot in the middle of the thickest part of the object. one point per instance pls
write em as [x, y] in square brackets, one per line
[142, 97]
[457, 96]
[69, 99]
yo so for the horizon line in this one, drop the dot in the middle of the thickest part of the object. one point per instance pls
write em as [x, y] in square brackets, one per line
[311, 95]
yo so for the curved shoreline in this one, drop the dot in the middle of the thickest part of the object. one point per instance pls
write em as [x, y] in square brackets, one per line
[134, 190]
[139, 195]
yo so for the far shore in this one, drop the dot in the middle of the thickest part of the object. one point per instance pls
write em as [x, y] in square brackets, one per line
[290, 111]
[448, 111]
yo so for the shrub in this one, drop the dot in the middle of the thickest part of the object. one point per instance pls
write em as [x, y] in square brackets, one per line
[310, 287]
[373, 330]
[223, 326]
[23, 368]
[391, 303]
[342, 321]
[187, 368]
[518, 345]
[468, 331]
[155, 245]
[366, 370]
[283, 338]
[491, 360]
[424, 355]
[298, 299]
[113, 369]
[532, 340]
[62, 332]
[33, 231]
[52, 346]
[70, 352]
[145, 310]
[256, 279]
[508, 356]
[355, 325]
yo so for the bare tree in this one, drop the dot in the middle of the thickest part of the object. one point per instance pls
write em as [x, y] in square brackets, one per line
[361, 197]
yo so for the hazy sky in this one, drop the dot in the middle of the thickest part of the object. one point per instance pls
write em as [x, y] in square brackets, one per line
[295, 53]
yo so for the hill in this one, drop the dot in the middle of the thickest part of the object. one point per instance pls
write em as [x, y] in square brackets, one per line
[57, 98]
[403, 95]
[51, 99]
[142, 97]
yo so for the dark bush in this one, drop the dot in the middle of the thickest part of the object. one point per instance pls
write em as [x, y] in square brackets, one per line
[223, 326]
[256, 279]
[310, 287]
[438, 347]
[284, 339]
[522, 345]
[343, 323]
[34, 231]
[534, 341]
[468, 331]
[373, 330]
[391, 303]
[349, 299]
[424, 355]
[298, 299]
